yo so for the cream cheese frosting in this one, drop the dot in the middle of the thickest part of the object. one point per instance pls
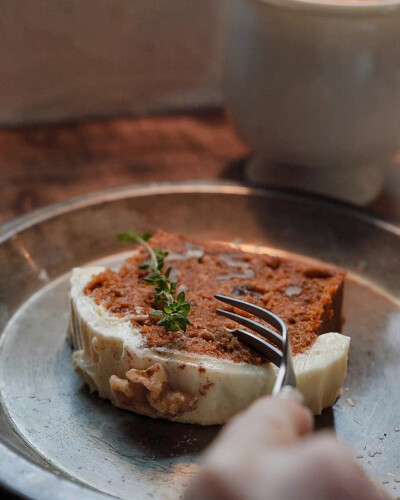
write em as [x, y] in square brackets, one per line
[112, 357]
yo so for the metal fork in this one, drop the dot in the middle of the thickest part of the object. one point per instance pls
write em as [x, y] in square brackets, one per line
[281, 355]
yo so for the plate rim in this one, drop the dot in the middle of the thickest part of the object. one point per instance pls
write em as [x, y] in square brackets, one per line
[22, 222]
[23, 478]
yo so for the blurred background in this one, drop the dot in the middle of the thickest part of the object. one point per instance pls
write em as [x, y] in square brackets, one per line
[100, 93]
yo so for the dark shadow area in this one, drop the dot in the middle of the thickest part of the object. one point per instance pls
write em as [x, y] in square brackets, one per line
[234, 170]
[326, 420]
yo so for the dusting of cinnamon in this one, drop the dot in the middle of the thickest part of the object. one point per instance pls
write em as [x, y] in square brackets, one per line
[308, 298]
[206, 387]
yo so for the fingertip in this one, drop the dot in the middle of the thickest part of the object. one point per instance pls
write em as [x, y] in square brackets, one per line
[298, 417]
[302, 417]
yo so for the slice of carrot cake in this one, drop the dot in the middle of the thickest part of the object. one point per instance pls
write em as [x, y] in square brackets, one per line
[148, 338]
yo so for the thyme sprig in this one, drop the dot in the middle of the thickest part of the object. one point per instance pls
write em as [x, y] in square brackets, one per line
[173, 312]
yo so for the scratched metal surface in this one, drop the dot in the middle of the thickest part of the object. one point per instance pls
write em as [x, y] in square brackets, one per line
[57, 441]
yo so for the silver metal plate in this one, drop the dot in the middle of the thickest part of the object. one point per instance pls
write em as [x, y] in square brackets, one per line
[57, 441]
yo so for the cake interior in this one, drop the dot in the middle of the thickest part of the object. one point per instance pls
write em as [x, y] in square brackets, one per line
[307, 298]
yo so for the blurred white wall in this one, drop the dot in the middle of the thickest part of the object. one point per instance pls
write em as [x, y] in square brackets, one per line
[65, 59]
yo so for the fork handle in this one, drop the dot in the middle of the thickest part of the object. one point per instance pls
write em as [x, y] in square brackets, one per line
[291, 393]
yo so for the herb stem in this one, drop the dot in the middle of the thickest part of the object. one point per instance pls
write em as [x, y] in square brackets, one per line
[174, 311]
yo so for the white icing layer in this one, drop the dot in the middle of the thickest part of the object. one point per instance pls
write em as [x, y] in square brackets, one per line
[106, 345]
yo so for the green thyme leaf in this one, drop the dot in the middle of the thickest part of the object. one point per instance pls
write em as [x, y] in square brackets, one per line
[174, 311]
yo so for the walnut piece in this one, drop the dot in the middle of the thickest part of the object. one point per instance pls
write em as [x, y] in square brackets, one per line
[149, 393]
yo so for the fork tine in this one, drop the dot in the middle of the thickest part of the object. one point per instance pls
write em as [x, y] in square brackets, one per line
[261, 346]
[286, 374]
[261, 313]
[253, 325]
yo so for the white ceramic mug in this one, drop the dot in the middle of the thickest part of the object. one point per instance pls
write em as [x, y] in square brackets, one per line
[314, 89]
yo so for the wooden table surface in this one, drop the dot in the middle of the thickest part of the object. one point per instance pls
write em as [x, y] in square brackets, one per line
[44, 164]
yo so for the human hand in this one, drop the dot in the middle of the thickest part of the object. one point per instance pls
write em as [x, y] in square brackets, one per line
[269, 453]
